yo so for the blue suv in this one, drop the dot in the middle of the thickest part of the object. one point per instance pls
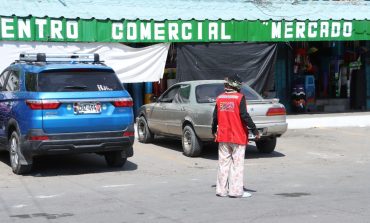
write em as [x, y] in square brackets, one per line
[64, 104]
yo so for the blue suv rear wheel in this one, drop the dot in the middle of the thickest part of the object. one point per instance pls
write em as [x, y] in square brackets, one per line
[15, 154]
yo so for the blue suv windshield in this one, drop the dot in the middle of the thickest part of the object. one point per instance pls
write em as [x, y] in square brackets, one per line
[73, 80]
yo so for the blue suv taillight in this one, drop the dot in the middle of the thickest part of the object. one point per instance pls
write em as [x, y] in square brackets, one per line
[123, 102]
[43, 104]
[129, 133]
[38, 138]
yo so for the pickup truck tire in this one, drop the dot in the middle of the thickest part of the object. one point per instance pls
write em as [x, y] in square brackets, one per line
[144, 133]
[266, 145]
[191, 144]
[115, 159]
[15, 153]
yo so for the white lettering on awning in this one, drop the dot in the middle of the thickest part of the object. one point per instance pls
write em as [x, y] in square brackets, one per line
[224, 36]
[173, 31]
[213, 31]
[24, 28]
[72, 29]
[145, 31]
[200, 30]
[56, 27]
[335, 29]
[288, 30]
[186, 31]
[324, 29]
[40, 23]
[312, 29]
[159, 31]
[347, 29]
[6, 28]
[131, 31]
[117, 31]
[276, 30]
[300, 29]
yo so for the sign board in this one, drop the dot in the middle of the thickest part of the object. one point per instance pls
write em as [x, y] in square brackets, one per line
[92, 30]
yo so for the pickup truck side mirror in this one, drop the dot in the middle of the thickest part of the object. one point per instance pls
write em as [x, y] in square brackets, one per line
[154, 98]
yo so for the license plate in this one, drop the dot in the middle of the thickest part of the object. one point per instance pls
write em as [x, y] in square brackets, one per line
[80, 108]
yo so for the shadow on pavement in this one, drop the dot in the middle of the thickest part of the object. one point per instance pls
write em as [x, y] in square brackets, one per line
[210, 151]
[46, 166]
[4, 158]
[244, 188]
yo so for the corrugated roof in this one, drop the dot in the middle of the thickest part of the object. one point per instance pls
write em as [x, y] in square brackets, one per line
[189, 9]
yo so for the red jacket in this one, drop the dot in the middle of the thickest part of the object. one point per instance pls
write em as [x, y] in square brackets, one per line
[230, 126]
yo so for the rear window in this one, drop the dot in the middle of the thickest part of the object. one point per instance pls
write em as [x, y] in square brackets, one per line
[250, 94]
[207, 93]
[75, 80]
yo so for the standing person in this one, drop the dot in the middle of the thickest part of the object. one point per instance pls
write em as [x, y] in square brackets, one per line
[230, 128]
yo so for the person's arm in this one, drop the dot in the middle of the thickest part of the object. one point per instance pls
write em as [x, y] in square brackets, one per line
[214, 121]
[246, 118]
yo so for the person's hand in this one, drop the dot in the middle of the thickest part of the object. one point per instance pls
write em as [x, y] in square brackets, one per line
[257, 137]
[215, 136]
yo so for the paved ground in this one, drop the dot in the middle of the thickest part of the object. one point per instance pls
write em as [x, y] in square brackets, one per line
[315, 175]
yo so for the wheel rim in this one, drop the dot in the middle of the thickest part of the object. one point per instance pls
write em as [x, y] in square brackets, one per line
[187, 140]
[141, 130]
[13, 151]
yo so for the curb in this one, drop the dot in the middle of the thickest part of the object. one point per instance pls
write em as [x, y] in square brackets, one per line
[361, 119]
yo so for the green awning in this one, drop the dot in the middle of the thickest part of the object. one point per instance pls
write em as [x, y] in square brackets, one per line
[150, 31]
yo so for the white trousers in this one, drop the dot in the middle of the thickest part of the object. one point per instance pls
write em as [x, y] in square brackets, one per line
[230, 174]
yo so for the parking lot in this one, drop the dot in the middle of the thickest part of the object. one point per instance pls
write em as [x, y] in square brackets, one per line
[315, 175]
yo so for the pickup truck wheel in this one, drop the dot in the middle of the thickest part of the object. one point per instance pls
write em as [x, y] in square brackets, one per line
[191, 145]
[14, 154]
[266, 145]
[145, 135]
[115, 159]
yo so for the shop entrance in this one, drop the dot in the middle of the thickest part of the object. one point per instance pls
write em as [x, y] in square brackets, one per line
[328, 77]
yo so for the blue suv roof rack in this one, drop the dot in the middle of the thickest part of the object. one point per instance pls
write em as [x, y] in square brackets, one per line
[73, 57]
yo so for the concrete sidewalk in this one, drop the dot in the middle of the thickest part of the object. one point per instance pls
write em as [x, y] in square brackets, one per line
[350, 119]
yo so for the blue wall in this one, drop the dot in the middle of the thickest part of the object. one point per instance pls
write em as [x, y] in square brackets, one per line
[367, 70]
[282, 75]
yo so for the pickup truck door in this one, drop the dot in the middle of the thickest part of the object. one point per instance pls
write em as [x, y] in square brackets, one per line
[159, 117]
[177, 110]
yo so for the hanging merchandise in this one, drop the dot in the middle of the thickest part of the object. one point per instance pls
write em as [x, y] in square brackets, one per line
[309, 66]
[299, 59]
[338, 77]
[356, 65]
[343, 81]
[299, 98]
[353, 66]
[299, 94]
[310, 92]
